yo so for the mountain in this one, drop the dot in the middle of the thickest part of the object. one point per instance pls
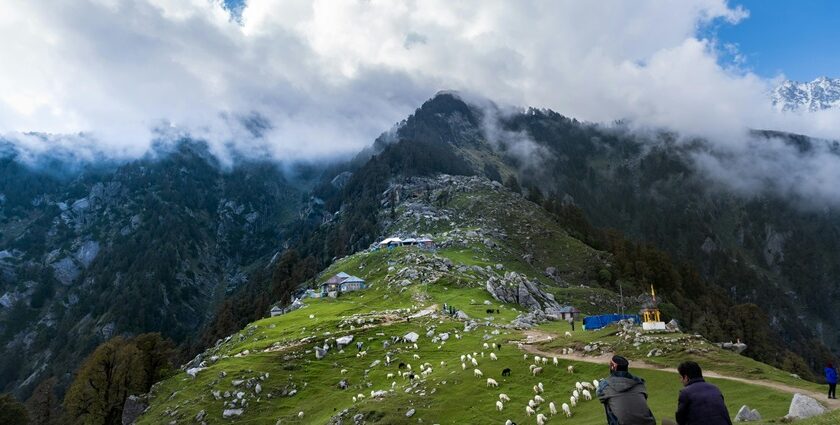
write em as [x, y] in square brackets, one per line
[154, 244]
[430, 337]
[822, 93]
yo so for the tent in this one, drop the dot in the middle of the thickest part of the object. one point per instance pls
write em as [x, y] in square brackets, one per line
[592, 323]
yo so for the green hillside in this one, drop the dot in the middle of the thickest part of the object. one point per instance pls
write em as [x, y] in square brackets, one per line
[484, 234]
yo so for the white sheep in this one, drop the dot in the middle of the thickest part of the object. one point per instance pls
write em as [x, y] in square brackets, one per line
[361, 353]
[499, 406]
[552, 408]
[566, 410]
[393, 384]
[509, 422]
[524, 357]
[568, 334]
[354, 399]
[532, 404]
[540, 386]
[536, 371]
[531, 367]
[389, 376]
[571, 368]
[503, 397]
[463, 366]
[537, 359]
[387, 359]
[486, 347]
[541, 419]
[554, 360]
[416, 356]
[587, 395]
[587, 385]
[576, 394]
[578, 386]
[536, 389]
[492, 383]
[360, 396]
[474, 361]
[463, 358]
[300, 414]
[415, 345]
[343, 371]
[573, 400]
[539, 400]
[477, 373]
[544, 360]
[493, 356]
[596, 382]
[529, 410]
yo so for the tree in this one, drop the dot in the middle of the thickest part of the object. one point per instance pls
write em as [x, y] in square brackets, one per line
[12, 411]
[43, 405]
[156, 354]
[104, 381]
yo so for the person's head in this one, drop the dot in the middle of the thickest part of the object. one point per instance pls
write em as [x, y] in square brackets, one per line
[689, 370]
[619, 364]
[830, 366]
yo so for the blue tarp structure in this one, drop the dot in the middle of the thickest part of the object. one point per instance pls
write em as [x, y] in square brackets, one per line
[590, 323]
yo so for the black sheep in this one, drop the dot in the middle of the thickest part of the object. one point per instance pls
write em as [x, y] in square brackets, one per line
[401, 366]
[506, 371]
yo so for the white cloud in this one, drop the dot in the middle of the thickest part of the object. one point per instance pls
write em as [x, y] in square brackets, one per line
[330, 76]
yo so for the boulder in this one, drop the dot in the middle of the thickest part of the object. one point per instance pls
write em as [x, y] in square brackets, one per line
[132, 409]
[344, 341]
[231, 413]
[410, 413]
[746, 415]
[802, 407]
[411, 337]
[320, 353]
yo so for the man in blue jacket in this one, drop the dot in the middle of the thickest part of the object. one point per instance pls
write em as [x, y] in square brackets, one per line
[831, 378]
[700, 403]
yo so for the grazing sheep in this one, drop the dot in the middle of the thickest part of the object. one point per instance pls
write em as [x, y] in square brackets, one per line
[486, 346]
[568, 334]
[354, 399]
[573, 400]
[408, 366]
[442, 363]
[360, 396]
[387, 359]
[506, 371]
[554, 360]
[578, 386]
[524, 357]
[536, 371]
[393, 384]
[463, 358]
[544, 360]
[361, 353]
[463, 366]
[532, 404]
[537, 359]
[493, 356]
[503, 397]
[492, 383]
[529, 411]
[596, 382]
[416, 357]
[587, 395]
[571, 368]
[540, 385]
[587, 385]
[539, 400]
[498, 346]
[541, 419]
[510, 422]
[482, 354]
[531, 367]
[474, 361]
[389, 376]
[566, 410]
[536, 389]
[477, 373]
[401, 365]
[343, 371]
[576, 394]
[415, 345]
[552, 408]
[500, 406]
[300, 414]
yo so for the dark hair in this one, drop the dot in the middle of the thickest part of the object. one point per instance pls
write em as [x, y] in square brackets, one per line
[690, 370]
[621, 363]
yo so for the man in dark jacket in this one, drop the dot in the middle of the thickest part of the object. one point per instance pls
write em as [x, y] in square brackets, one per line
[831, 378]
[700, 403]
[624, 396]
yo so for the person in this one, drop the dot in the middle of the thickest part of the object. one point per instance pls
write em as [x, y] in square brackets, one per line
[699, 403]
[831, 378]
[572, 322]
[624, 396]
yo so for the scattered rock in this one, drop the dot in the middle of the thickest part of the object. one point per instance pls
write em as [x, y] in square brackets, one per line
[802, 407]
[410, 413]
[230, 413]
[411, 337]
[746, 415]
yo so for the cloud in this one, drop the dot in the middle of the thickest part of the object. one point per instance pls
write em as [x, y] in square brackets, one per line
[306, 79]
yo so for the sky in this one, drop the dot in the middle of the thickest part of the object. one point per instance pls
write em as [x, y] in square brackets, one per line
[295, 79]
[797, 39]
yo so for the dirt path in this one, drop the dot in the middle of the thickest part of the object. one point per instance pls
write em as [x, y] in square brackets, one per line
[534, 336]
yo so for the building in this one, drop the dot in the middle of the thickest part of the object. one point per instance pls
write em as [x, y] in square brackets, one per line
[650, 315]
[568, 312]
[341, 282]
[424, 242]
[276, 311]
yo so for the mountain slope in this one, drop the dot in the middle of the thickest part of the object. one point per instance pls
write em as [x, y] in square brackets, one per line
[822, 93]
[488, 239]
[149, 245]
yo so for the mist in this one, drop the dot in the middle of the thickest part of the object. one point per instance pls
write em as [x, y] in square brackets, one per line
[299, 80]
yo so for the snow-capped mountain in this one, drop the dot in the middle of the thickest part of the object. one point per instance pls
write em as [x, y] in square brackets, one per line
[822, 93]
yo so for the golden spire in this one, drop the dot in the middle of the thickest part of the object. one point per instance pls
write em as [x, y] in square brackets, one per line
[652, 293]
